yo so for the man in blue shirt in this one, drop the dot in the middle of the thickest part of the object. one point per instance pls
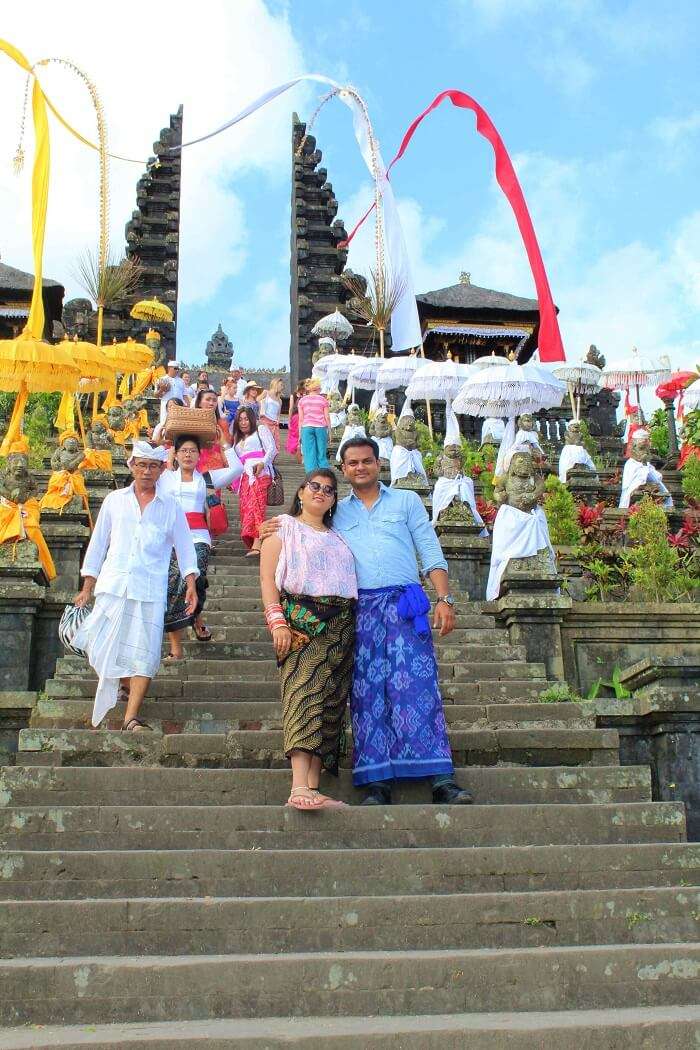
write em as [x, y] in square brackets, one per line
[398, 722]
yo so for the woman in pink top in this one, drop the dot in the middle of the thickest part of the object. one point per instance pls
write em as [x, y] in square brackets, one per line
[314, 425]
[309, 592]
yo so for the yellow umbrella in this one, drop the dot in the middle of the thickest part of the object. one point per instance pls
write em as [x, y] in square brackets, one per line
[151, 310]
[129, 356]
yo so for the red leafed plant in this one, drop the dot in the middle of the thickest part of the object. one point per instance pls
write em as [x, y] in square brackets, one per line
[476, 470]
[487, 509]
[590, 519]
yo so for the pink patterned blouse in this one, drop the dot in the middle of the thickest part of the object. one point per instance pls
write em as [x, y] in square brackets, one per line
[314, 563]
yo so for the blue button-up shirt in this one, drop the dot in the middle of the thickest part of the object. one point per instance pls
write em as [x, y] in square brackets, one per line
[386, 539]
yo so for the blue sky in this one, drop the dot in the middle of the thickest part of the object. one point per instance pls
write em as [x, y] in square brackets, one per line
[598, 103]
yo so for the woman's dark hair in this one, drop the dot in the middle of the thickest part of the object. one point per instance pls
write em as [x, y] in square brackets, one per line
[359, 442]
[182, 438]
[322, 472]
[200, 394]
[236, 433]
[175, 401]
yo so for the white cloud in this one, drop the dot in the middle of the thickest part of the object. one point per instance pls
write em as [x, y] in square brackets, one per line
[670, 129]
[144, 64]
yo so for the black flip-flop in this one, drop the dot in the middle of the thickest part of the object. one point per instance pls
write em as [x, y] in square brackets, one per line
[128, 726]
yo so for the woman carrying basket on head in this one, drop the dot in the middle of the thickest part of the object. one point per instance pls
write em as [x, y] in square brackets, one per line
[256, 450]
[191, 488]
[213, 457]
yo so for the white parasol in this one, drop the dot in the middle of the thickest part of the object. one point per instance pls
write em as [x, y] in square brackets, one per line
[581, 379]
[438, 381]
[492, 360]
[334, 325]
[691, 396]
[509, 391]
[398, 371]
[363, 376]
[636, 371]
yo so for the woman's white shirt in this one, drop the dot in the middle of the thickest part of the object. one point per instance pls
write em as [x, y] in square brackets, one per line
[261, 440]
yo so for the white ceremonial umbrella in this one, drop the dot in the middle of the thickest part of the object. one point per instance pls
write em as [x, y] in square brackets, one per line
[509, 391]
[438, 381]
[583, 378]
[335, 325]
[691, 396]
[636, 371]
[323, 367]
[398, 371]
[492, 360]
[363, 376]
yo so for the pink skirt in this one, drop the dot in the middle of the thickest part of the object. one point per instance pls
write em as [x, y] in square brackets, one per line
[292, 443]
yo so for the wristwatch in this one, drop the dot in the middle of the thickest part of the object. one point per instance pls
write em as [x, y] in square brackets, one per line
[447, 599]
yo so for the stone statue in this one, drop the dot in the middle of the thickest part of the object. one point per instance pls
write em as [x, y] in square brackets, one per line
[326, 346]
[354, 427]
[116, 419]
[527, 433]
[98, 437]
[381, 430]
[68, 456]
[574, 453]
[16, 481]
[640, 478]
[521, 543]
[406, 463]
[219, 351]
[594, 357]
[454, 500]
[338, 416]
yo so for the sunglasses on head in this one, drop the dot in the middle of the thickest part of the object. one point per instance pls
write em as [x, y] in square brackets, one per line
[316, 486]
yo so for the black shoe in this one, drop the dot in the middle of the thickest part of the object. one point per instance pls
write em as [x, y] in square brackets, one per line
[378, 795]
[451, 794]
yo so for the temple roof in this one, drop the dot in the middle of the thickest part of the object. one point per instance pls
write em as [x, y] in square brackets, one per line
[15, 280]
[467, 296]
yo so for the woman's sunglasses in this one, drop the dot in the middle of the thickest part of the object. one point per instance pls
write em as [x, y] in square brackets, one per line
[316, 486]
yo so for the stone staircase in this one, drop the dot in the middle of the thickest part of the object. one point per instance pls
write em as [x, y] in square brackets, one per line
[154, 892]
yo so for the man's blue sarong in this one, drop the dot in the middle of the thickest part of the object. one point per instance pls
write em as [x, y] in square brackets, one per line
[398, 723]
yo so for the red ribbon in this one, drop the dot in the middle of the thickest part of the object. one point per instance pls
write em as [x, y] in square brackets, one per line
[550, 344]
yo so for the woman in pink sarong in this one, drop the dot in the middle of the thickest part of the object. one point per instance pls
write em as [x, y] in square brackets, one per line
[256, 450]
[292, 443]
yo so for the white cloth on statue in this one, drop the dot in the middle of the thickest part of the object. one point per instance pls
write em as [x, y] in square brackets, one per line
[448, 489]
[637, 474]
[352, 430]
[515, 535]
[493, 428]
[529, 437]
[338, 419]
[404, 462]
[129, 555]
[386, 445]
[573, 456]
[377, 401]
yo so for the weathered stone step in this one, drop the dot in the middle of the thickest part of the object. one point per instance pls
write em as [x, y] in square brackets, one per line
[115, 988]
[211, 716]
[263, 748]
[255, 644]
[360, 827]
[667, 1027]
[165, 926]
[115, 785]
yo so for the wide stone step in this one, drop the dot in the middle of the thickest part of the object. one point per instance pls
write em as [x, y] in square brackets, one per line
[156, 988]
[73, 874]
[359, 827]
[255, 644]
[210, 716]
[669, 1027]
[142, 785]
[264, 748]
[165, 926]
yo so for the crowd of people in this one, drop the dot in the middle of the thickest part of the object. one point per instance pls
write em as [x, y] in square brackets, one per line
[340, 585]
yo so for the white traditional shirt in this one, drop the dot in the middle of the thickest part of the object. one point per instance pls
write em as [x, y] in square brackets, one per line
[192, 495]
[129, 551]
[260, 441]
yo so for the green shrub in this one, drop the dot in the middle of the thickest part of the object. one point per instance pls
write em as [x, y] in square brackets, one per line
[691, 479]
[558, 693]
[658, 432]
[561, 514]
[655, 569]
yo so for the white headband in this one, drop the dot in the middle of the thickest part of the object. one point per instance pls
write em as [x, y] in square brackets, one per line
[142, 450]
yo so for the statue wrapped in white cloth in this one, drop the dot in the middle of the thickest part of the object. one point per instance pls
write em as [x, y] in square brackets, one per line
[406, 460]
[520, 529]
[381, 430]
[527, 435]
[126, 567]
[453, 488]
[639, 472]
[354, 427]
[574, 453]
[492, 431]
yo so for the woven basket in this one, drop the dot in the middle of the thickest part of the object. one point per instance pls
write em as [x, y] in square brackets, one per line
[199, 422]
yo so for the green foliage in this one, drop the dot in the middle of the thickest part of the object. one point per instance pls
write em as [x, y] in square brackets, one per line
[691, 479]
[620, 691]
[655, 569]
[560, 511]
[589, 443]
[559, 693]
[691, 427]
[658, 432]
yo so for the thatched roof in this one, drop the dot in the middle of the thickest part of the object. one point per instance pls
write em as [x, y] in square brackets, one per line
[15, 280]
[468, 297]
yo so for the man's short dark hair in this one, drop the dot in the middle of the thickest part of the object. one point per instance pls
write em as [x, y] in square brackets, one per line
[359, 442]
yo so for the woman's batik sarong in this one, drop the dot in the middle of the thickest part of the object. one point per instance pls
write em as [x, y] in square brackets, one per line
[176, 618]
[398, 724]
[316, 675]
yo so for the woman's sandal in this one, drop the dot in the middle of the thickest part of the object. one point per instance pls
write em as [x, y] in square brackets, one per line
[201, 632]
[134, 725]
[170, 659]
[328, 803]
[303, 799]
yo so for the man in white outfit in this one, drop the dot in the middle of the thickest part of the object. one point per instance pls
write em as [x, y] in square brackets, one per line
[126, 567]
[172, 386]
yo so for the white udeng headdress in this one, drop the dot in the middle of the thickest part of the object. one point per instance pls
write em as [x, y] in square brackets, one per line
[142, 450]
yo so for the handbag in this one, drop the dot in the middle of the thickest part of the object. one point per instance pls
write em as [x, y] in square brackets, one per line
[217, 515]
[198, 422]
[275, 492]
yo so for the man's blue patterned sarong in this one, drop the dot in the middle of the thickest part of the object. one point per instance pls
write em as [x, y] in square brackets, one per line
[398, 723]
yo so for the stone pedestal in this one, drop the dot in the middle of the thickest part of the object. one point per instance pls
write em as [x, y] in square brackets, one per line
[468, 556]
[533, 609]
[22, 593]
[67, 536]
[584, 486]
[15, 714]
